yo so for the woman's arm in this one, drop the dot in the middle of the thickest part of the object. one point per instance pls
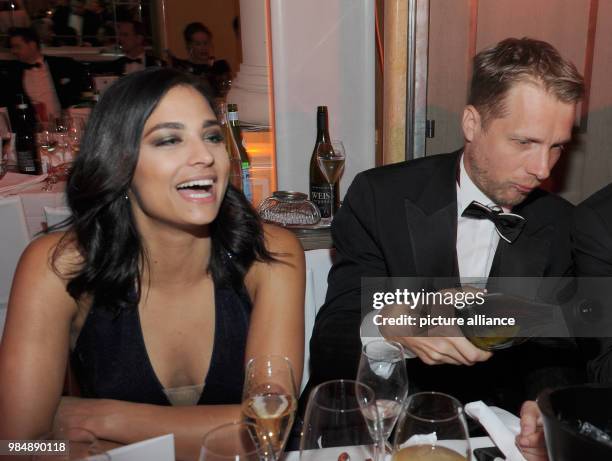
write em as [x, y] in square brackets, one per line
[277, 327]
[277, 291]
[35, 343]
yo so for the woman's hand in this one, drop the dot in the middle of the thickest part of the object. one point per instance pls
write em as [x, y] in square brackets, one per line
[531, 439]
[77, 419]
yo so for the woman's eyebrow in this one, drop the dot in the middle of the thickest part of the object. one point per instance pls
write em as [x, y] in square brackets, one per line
[160, 126]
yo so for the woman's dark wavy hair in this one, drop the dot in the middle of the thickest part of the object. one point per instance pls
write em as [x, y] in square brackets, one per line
[103, 226]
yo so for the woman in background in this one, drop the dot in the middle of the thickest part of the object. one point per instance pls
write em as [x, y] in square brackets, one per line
[165, 285]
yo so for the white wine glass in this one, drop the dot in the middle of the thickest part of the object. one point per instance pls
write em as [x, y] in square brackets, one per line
[432, 427]
[382, 367]
[237, 441]
[341, 421]
[331, 163]
[269, 398]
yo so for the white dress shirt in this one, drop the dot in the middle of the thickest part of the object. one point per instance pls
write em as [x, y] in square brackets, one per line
[39, 86]
[477, 239]
[135, 66]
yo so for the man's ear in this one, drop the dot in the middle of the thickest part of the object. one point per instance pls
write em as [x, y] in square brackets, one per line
[470, 123]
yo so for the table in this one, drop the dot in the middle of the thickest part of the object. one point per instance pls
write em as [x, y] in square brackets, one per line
[34, 199]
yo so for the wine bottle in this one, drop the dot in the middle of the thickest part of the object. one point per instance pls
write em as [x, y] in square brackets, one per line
[235, 174]
[320, 189]
[245, 164]
[25, 142]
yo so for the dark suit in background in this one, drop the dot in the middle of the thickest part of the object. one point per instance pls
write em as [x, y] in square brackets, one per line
[117, 67]
[401, 221]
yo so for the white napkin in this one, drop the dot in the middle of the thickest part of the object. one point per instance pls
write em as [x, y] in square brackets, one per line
[503, 437]
[15, 181]
[156, 449]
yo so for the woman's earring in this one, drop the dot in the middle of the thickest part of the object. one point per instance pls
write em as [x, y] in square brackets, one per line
[125, 197]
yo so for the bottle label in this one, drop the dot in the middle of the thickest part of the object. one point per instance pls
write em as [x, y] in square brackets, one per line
[25, 162]
[246, 182]
[321, 196]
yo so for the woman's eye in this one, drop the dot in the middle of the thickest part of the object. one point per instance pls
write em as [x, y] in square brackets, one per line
[214, 138]
[170, 141]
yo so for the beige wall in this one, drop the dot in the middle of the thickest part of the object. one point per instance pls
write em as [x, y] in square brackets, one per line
[216, 15]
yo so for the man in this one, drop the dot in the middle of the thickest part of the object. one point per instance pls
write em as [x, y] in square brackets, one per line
[409, 220]
[131, 38]
[52, 82]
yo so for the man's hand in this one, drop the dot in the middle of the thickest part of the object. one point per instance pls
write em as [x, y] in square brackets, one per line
[437, 351]
[531, 439]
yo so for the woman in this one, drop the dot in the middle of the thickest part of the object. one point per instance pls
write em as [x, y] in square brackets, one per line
[198, 41]
[166, 281]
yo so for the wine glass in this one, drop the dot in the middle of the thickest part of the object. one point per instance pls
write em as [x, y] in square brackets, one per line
[432, 427]
[269, 398]
[237, 441]
[341, 418]
[5, 143]
[382, 368]
[331, 163]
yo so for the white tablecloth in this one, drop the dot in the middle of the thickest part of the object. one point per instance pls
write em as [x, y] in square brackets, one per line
[34, 199]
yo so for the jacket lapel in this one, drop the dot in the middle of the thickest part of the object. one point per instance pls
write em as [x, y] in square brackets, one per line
[432, 224]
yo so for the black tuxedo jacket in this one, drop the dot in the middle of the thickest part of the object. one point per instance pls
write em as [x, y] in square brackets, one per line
[592, 246]
[401, 221]
[117, 67]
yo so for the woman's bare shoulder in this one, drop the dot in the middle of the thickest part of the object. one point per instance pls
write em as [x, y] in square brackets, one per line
[279, 240]
[56, 252]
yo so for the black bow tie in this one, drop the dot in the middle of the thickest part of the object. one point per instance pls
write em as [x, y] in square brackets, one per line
[36, 65]
[507, 225]
[132, 61]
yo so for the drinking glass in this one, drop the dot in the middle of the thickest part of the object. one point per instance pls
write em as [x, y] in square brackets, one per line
[237, 441]
[432, 427]
[269, 398]
[331, 164]
[341, 418]
[5, 136]
[382, 367]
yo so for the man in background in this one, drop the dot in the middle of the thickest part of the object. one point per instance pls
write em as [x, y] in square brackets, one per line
[131, 38]
[53, 83]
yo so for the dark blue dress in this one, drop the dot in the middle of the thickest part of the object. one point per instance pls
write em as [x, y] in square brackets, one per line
[110, 359]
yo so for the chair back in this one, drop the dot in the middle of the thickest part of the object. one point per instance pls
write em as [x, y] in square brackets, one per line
[56, 215]
[318, 264]
[14, 238]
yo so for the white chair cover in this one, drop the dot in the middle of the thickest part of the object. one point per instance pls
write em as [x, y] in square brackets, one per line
[14, 238]
[318, 263]
[55, 215]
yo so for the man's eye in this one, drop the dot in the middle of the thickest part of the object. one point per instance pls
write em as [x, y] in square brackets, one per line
[523, 142]
[170, 141]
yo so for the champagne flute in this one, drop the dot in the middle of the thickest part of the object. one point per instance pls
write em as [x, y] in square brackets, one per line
[237, 441]
[338, 421]
[432, 428]
[331, 163]
[5, 137]
[382, 368]
[269, 398]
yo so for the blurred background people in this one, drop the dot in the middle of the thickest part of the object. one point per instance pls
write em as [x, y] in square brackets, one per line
[131, 37]
[55, 82]
[201, 61]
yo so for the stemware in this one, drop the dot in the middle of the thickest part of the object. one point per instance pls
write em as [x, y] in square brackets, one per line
[331, 163]
[341, 418]
[382, 368]
[5, 143]
[269, 398]
[432, 427]
[237, 441]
